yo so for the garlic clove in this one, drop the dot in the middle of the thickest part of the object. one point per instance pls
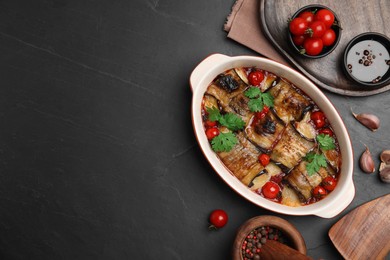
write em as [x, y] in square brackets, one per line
[384, 172]
[385, 156]
[370, 121]
[366, 162]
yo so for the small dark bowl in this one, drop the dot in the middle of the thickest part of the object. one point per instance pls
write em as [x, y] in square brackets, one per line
[370, 36]
[336, 27]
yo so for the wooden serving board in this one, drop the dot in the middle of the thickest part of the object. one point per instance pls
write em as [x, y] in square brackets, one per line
[356, 17]
[364, 233]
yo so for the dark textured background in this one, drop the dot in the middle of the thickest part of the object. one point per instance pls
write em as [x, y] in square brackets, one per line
[98, 158]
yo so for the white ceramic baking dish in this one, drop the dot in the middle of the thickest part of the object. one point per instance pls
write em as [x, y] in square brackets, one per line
[344, 192]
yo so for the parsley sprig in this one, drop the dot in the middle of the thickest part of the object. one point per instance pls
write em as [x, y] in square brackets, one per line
[258, 99]
[230, 120]
[224, 142]
[325, 142]
[315, 160]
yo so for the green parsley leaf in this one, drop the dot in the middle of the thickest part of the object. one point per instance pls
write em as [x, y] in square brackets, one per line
[224, 142]
[255, 105]
[268, 99]
[315, 162]
[258, 99]
[232, 121]
[326, 142]
[253, 92]
[214, 114]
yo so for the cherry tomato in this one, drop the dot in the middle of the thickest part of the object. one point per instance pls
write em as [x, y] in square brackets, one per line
[329, 183]
[209, 123]
[212, 132]
[298, 39]
[255, 78]
[218, 219]
[326, 16]
[313, 46]
[329, 37]
[270, 190]
[298, 26]
[264, 159]
[319, 192]
[316, 29]
[308, 16]
[326, 131]
[318, 119]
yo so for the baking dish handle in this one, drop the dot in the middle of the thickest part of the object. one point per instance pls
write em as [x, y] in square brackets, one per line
[339, 205]
[203, 67]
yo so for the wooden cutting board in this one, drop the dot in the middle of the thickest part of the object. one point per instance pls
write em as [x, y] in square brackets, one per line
[356, 17]
[364, 233]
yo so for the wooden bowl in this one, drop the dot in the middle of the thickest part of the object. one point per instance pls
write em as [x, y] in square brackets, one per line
[289, 231]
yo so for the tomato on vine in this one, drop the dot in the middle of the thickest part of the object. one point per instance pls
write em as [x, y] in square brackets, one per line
[329, 37]
[255, 77]
[308, 16]
[318, 119]
[270, 190]
[329, 183]
[212, 132]
[313, 46]
[326, 16]
[298, 26]
[218, 219]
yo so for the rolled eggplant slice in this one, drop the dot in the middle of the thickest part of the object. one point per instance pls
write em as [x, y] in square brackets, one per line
[243, 74]
[333, 157]
[269, 80]
[270, 170]
[314, 179]
[305, 128]
[226, 86]
[288, 103]
[265, 132]
[291, 148]
[239, 105]
[299, 183]
[242, 160]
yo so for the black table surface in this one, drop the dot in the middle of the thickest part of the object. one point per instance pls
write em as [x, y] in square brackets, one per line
[98, 158]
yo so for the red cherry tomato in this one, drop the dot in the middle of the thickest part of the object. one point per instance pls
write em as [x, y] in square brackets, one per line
[218, 219]
[308, 16]
[255, 78]
[319, 192]
[209, 123]
[313, 46]
[298, 39]
[329, 183]
[298, 26]
[264, 159]
[326, 16]
[316, 29]
[318, 119]
[329, 37]
[270, 190]
[262, 113]
[326, 131]
[212, 132]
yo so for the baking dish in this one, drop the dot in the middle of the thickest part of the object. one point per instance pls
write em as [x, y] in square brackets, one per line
[215, 64]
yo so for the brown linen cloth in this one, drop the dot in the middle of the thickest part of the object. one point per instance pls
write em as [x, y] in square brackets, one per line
[243, 26]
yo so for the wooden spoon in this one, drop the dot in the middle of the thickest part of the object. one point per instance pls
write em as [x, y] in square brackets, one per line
[364, 233]
[278, 251]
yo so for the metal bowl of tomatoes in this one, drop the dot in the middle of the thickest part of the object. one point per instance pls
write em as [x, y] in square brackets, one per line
[314, 31]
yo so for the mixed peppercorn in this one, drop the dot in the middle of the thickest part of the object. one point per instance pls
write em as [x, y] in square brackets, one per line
[251, 247]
